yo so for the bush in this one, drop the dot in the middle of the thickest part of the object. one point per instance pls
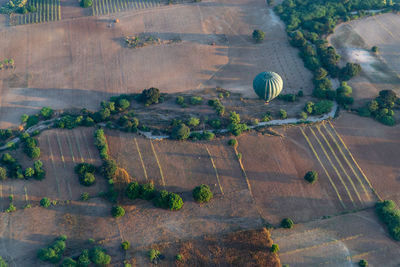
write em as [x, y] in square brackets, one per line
[154, 254]
[215, 123]
[196, 100]
[179, 257]
[86, 3]
[133, 190]
[99, 257]
[85, 196]
[147, 191]
[83, 259]
[87, 179]
[288, 97]
[3, 263]
[321, 107]
[32, 120]
[24, 118]
[54, 251]
[3, 173]
[180, 100]
[193, 122]
[202, 193]
[375, 49]
[83, 168]
[117, 211]
[46, 113]
[287, 223]
[123, 104]
[11, 208]
[282, 114]
[232, 142]
[258, 35]
[311, 177]
[274, 248]
[45, 202]
[69, 262]
[390, 215]
[125, 245]
[151, 96]
[168, 200]
[180, 132]
[108, 169]
[363, 263]
[303, 115]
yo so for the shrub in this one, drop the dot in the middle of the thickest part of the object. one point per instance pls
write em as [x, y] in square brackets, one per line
[303, 115]
[287, 97]
[287, 223]
[117, 211]
[3, 263]
[68, 262]
[180, 100]
[274, 248]
[151, 96]
[387, 120]
[147, 191]
[180, 132]
[154, 254]
[11, 208]
[98, 256]
[168, 200]
[323, 106]
[208, 136]
[133, 190]
[24, 118]
[215, 123]
[179, 257]
[29, 172]
[282, 114]
[390, 215]
[311, 177]
[87, 179]
[85, 196]
[125, 245]
[123, 104]
[108, 169]
[46, 113]
[45, 202]
[54, 251]
[267, 117]
[3, 173]
[86, 3]
[363, 263]
[196, 100]
[309, 107]
[83, 168]
[258, 35]
[83, 259]
[193, 122]
[202, 193]
[232, 142]
[32, 120]
[375, 49]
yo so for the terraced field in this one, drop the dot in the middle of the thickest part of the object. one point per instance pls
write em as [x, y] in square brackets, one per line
[46, 10]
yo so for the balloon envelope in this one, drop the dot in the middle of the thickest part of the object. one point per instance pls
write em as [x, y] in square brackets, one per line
[267, 85]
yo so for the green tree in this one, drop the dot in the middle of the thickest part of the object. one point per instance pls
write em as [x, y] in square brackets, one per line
[3, 263]
[151, 96]
[375, 49]
[274, 248]
[3, 173]
[45, 202]
[147, 191]
[125, 245]
[234, 118]
[193, 122]
[311, 177]
[323, 106]
[69, 262]
[117, 211]
[154, 254]
[46, 112]
[363, 263]
[202, 193]
[180, 132]
[287, 223]
[282, 114]
[123, 104]
[29, 172]
[258, 35]
[108, 169]
[83, 259]
[86, 3]
[85, 196]
[24, 118]
[87, 179]
[180, 100]
[99, 257]
[132, 191]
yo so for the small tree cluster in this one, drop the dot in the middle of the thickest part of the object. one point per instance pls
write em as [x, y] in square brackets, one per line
[235, 127]
[99, 256]
[7, 63]
[196, 100]
[101, 143]
[86, 3]
[288, 97]
[382, 107]
[180, 132]
[154, 255]
[46, 113]
[85, 173]
[128, 122]
[389, 213]
[205, 135]
[151, 96]
[287, 223]
[54, 251]
[202, 193]
[168, 200]
[117, 211]
[217, 105]
[30, 146]
[319, 108]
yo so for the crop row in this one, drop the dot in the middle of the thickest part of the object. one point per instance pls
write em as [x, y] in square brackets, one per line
[46, 10]
[102, 7]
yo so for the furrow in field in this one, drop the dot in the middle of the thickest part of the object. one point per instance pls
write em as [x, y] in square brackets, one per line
[78, 145]
[215, 169]
[332, 165]
[353, 159]
[323, 167]
[350, 165]
[158, 163]
[70, 147]
[243, 171]
[53, 166]
[332, 151]
[141, 159]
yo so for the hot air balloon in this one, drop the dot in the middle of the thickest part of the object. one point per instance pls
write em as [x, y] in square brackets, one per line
[267, 85]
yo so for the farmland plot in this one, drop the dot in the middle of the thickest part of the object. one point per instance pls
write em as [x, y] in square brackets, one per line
[46, 10]
[338, 241]
[104, 7]
[377, 150]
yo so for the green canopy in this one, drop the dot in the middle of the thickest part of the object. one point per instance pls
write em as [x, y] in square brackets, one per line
[267, 85]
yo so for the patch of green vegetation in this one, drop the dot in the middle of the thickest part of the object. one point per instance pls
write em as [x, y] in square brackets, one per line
[258, 36]
[202, 193]
[382, 107]
[287, 223]
[389, 213]
[54, 251]
[311, 177]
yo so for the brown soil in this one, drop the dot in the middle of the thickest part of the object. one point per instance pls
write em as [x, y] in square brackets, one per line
[377, 150]
[243, 248]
